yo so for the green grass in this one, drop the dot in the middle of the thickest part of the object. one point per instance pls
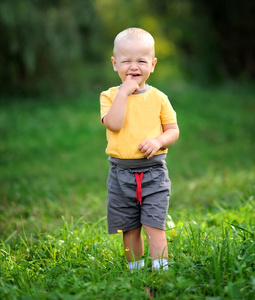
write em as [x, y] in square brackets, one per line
[53, 170]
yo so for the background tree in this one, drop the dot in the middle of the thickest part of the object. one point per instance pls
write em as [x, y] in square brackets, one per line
[234, 31]
[215, 39]
[64, 46]
[43, 43]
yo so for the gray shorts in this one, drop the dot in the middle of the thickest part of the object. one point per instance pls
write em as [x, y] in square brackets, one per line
[123, 211]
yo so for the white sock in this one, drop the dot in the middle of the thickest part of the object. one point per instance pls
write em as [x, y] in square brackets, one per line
[157, 263]
[136, 265]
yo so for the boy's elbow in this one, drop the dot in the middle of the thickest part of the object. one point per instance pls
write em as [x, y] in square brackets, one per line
[111, 126]
[177, 134]
[113, 129]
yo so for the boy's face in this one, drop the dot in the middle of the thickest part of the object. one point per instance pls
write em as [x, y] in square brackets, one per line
[134, 57]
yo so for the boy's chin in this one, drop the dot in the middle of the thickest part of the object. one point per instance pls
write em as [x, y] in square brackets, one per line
[139, 80]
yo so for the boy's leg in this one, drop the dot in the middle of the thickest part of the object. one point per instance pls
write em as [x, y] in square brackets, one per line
[133, 244]
[156, 238]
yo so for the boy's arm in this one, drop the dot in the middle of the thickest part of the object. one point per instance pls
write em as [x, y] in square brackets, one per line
[115, 117]
[169, 136]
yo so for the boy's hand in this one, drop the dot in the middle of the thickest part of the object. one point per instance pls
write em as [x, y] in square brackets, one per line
[149, 147]
[129, 86]
[169, 136]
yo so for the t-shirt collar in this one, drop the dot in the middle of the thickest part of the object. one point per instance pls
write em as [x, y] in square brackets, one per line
[147, 87]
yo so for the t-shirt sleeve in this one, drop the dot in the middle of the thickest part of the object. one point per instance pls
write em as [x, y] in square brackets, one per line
[105, 104]
[168, 115]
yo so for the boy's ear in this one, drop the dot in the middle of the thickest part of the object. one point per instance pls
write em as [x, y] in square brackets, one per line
[153, 64]
[114, 64]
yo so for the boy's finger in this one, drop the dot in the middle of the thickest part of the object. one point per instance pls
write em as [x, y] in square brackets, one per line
[129, 77]
[141, 145]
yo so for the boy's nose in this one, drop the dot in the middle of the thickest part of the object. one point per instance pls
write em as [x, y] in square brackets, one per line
[134, 66]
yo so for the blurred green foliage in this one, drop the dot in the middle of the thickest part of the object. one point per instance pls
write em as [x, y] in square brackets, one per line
[64, 46]
[43, 44]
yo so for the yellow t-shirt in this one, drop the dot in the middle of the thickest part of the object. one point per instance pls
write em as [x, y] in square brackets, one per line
[146, 112]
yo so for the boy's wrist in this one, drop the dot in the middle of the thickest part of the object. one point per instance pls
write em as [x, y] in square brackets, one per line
[122, 93]
[158, 140]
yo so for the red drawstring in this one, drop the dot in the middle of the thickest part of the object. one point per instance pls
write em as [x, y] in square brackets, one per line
[139, 178]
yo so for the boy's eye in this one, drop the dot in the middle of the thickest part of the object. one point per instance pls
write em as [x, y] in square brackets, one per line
[142, 61]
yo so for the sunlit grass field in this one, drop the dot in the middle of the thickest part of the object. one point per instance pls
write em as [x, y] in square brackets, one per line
[53, 170]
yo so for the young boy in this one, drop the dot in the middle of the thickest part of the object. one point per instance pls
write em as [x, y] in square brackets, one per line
[141, 124]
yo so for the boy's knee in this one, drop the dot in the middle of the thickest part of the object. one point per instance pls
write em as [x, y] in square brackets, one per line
[152, 230]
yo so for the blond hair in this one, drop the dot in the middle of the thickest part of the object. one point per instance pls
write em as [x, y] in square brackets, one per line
[134, 33]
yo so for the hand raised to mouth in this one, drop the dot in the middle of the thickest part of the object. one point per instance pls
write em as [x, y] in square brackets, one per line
[130, 86]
